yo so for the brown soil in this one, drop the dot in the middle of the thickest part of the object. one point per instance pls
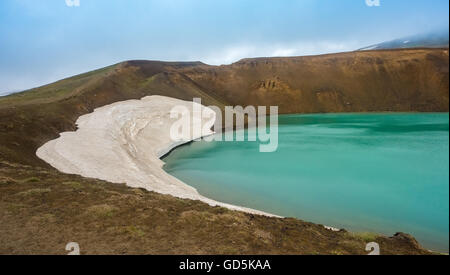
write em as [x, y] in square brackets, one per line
[42, 210]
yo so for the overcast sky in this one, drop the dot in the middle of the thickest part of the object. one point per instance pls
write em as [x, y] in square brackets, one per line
[44, 41]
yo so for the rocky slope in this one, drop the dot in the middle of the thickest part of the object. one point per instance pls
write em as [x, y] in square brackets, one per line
[392, 80]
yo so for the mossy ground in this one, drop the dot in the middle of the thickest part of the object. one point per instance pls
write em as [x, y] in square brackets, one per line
[41, 210]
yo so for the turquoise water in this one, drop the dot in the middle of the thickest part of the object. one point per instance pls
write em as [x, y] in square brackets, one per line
[382, 173]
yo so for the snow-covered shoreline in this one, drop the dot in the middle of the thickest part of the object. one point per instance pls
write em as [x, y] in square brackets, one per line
[123, 143]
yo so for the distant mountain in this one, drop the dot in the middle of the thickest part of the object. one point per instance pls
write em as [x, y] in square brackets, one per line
[429, 40]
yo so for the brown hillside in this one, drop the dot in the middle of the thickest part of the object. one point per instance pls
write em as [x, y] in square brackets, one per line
[391, 80]
[42, 209]
[406, 80]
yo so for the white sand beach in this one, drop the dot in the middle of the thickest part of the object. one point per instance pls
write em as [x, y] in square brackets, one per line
[123, 143]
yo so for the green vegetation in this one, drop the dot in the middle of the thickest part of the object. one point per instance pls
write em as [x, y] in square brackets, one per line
[134, 231]
[55, 91]
[365, 236]
[101, 211]
[35, 191]
[32, 179]
[73, 184]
